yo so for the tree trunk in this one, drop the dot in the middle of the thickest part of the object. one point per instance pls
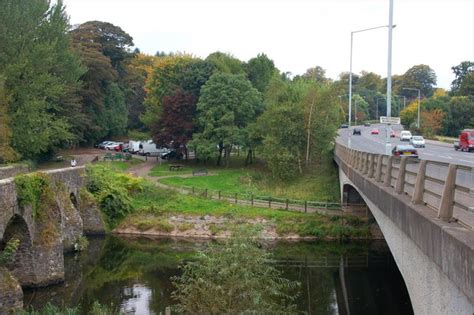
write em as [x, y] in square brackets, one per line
[221, 148]
[249, 157]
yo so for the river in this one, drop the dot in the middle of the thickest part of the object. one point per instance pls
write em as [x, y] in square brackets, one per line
[133, 274]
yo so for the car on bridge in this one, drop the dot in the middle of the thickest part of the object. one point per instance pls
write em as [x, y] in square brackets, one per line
[405, 150]
[374, 131]
[417, 141]
[356, 131]
[405, 135]
[466, 140]
[344, 126]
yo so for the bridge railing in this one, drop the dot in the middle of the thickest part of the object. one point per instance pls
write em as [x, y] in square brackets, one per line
[445, 188]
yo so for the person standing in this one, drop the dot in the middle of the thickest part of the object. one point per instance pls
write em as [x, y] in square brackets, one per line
[73, 162]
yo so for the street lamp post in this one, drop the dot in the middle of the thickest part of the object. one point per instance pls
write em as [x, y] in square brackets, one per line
[419, 102]
[350, 67]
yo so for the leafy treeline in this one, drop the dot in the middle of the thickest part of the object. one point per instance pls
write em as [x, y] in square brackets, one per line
[62, 86]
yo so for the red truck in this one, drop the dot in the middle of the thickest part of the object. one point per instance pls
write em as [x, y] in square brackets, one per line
[466, 141]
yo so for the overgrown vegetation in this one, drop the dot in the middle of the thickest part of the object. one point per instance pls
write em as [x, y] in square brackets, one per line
[236, 278]
[36, 190]
[113, 191]
[50, 309]
[7, 254]
[142, 205]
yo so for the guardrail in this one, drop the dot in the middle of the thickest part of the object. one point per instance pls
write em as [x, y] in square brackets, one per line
[445, 188]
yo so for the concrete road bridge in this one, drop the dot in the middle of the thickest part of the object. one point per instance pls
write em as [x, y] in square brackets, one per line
[425, 209]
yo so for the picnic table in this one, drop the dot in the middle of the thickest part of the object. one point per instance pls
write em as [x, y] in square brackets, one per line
[175, 167]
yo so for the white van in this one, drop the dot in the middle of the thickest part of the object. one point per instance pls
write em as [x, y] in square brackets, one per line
[133, 146]
[405, 135]
[149, 148]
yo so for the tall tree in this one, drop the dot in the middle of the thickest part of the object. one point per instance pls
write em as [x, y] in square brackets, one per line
[259, 71]
[317, 74]
[104, 48]
[463, 84]
[228, 103]
[421, 77]
[41, 75]
[7, 153]
[225, 63]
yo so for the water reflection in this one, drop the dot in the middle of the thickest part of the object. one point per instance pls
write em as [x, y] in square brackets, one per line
[133, 275]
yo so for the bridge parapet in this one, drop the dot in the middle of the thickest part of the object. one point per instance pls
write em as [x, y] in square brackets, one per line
[447, 189]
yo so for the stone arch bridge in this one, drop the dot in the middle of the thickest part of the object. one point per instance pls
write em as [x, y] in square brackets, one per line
[39, 260]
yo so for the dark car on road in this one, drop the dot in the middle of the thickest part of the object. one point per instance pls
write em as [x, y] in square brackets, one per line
[405, 150]
[367, 124]
[356, 131]
[344, 126]
[172, 155]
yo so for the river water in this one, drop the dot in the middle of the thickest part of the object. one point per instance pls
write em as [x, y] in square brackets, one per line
[133, 274]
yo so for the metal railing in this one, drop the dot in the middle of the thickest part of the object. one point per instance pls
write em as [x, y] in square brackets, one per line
[445, 188]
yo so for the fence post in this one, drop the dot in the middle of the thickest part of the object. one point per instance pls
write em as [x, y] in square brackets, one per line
[287, 204]
[419, 184]
[193, 190]
[205, 193]
[235, 198]
[447, 198]
[378, 172]
[219, 194]
[251, 201]
[400, 185]
[388, 175]
[269, 202]
[305, 206]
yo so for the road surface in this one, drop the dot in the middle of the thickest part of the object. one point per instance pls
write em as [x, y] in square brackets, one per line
[434, 150]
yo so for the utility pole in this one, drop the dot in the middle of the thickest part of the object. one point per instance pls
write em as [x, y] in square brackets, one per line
[388, 146]
[309, 132]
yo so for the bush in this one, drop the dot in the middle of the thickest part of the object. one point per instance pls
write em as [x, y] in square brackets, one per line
[112, 191]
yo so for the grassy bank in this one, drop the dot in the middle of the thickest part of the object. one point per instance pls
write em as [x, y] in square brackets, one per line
[321, 184]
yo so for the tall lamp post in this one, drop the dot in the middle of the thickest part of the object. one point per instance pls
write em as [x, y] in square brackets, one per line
[419, 102]
[350, 69]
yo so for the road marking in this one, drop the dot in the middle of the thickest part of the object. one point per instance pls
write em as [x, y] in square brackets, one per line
[445, 156]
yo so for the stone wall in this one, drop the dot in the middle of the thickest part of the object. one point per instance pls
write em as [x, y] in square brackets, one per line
[11, 297]
[13, 170]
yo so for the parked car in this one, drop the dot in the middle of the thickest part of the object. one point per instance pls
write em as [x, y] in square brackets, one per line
[112, 145]
[103, 144]
[344, 126]
[374, 131]
[405, 150]
[356, 131]
[366, 124]
[172, 155]
[417, 141]
[405, 135]
[466, 140]
[456, 145]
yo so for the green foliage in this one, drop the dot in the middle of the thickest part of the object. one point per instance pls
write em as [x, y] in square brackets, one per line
[7, 153]
[7, 254]
[50, 309]
[34, 190]
[235, 279]
[81, 243]
[463, 84]
[228, 103]
[41, 76]
[112, 191]
[259, 71]
[225, 63]
[116, 113]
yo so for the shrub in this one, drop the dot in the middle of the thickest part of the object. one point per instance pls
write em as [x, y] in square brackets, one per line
[7, 254]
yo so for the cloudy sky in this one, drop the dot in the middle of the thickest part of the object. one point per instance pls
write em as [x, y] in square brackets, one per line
[298, 34]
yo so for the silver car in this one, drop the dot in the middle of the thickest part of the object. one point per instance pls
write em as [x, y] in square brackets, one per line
[417, 141]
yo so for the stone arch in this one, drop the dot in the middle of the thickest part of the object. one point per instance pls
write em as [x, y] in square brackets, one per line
[22, 265]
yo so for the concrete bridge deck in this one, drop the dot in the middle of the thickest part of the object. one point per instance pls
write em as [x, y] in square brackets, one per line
[425, 211]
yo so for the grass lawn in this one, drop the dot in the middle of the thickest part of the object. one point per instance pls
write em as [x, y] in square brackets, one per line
[120, 166]
[322, 184]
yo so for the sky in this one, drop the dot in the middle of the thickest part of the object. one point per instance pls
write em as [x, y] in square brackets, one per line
[298, 34]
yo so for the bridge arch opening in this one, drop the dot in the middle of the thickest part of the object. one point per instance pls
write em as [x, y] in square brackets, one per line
[21, 263]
